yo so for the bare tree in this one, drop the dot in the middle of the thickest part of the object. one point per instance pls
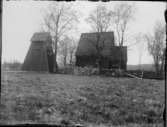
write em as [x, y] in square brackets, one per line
[72, 49]
[140, 46]
[67, 49]
[59, 20]
[156, 46]
[122, 15]
[100, 21]
[63, 49]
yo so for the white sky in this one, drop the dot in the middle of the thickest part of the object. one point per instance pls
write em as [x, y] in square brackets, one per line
[22, 18]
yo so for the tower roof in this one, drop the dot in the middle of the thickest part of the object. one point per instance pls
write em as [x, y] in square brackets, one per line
[41, 36]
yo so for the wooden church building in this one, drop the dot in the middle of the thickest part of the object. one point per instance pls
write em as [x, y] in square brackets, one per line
[40, 56]
[112, 56]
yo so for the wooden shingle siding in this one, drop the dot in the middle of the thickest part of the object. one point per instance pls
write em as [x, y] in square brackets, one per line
[36, 58]
[112, 56]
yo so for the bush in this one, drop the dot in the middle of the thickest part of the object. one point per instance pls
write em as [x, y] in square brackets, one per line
[89, 70]
[78, 70]
[66, 70]
[113, 72]
[85, 71]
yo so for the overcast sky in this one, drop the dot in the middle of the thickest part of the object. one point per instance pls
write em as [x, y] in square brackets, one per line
[22, 19]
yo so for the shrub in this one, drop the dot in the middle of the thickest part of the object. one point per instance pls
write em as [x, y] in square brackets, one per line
[69, 69]
[85, 71]
[113, 72]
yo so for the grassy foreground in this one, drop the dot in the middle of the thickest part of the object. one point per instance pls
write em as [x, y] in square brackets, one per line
[89, 100]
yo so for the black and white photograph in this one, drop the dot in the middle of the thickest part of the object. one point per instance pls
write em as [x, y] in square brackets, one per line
[83, 63]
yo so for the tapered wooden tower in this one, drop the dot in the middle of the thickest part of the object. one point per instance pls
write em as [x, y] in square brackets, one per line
[40, 56]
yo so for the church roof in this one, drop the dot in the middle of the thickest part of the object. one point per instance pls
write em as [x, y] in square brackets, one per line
[87, 42]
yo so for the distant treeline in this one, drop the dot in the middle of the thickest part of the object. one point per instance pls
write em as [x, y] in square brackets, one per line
[11, 66]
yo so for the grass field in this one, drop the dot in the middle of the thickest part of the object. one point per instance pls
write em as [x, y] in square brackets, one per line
[89, 100]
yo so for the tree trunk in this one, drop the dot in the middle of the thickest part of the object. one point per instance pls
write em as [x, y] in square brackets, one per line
[100, 67]
[71, 58]
[99, 64]
[163, 62]
[122, 40]
[55, 60]
[157, 68]
[65, 60]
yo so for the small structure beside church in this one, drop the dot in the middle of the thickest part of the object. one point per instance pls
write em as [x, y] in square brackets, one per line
[112, 56]
[40, 56]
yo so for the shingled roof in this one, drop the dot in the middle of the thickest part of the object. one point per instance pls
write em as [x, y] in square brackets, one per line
[85, 46]
[41, 36]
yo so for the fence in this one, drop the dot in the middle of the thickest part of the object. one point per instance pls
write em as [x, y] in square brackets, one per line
[147, 74]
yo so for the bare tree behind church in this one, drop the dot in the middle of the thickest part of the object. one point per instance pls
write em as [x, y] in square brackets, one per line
[122, 15]
[67, 49]
[60, 18]
[100, 21]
